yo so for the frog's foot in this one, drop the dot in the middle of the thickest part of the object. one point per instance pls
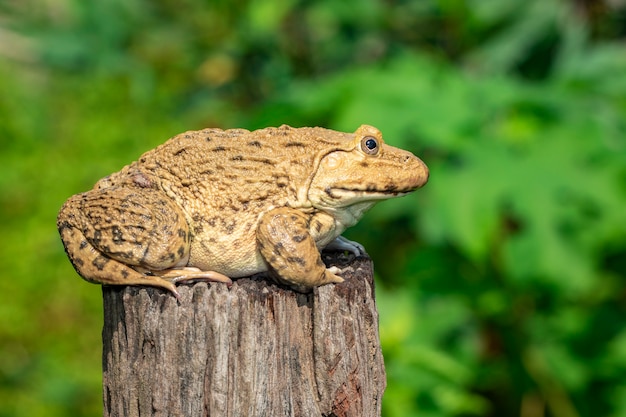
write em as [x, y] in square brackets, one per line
[343, 244]
[332, 275]
[189, 273]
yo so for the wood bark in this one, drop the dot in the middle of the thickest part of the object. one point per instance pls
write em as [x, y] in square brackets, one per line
[255, 349]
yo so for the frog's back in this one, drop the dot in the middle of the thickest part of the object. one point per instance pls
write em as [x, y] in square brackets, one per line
[233, 168]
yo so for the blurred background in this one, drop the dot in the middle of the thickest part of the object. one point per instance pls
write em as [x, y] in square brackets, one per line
[500, 284]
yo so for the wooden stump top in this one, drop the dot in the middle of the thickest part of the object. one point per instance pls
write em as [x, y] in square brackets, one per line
[255, 349]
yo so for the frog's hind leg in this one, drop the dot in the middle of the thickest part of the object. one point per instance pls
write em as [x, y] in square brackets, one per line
[98, 268]
[125, 236]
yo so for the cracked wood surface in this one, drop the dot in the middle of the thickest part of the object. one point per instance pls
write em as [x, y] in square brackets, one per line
[255, 349]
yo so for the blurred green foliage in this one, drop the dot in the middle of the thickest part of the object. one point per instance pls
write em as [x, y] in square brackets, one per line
[501, 283]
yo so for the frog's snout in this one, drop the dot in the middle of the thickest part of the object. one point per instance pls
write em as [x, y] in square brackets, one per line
[418, 169]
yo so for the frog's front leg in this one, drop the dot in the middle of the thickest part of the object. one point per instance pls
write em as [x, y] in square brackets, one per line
[128, 235]
[289, 249]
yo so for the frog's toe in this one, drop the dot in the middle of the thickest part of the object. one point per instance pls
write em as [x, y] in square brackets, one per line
[343, 244]
[189, 273]
[331, 275]
[170, 287]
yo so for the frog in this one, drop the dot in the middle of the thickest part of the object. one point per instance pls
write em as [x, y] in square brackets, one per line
[217, 205]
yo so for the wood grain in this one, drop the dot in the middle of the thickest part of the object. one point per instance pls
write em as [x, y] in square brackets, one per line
[255, 349]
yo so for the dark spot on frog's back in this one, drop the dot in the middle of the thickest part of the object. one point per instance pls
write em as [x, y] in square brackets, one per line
[181, 251]
[97, 237]
[126, 255]
[100, 262]
[294, 144]
[255, 143]
[237, 158]
[118, 239]
[219, 149]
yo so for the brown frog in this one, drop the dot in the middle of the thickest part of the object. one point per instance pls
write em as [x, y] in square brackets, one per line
[215, 205]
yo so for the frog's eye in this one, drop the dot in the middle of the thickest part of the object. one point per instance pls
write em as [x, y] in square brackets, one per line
[369, 145]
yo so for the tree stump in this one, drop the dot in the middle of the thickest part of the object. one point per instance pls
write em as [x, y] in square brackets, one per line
[255, 349]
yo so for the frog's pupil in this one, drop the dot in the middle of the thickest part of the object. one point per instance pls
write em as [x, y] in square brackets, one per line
[370, 144]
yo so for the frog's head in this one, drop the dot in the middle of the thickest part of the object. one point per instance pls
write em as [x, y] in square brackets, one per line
[365, 171]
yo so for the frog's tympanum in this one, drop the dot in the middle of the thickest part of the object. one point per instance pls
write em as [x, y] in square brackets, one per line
[216, 205]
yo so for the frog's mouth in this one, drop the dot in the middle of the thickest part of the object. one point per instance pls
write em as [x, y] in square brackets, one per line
[343, 193]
